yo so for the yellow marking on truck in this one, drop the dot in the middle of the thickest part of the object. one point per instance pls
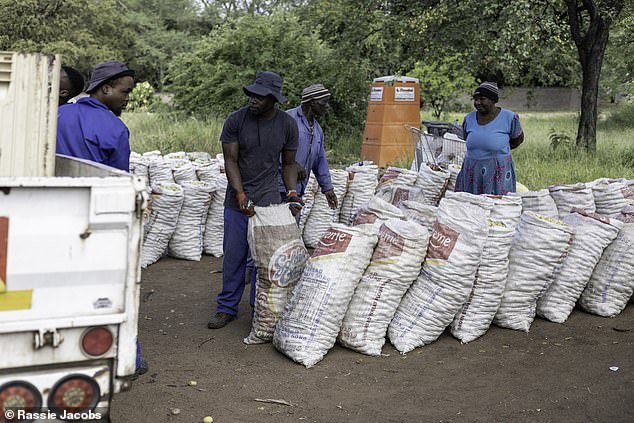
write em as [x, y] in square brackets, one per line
[16, 300]
[4, 242]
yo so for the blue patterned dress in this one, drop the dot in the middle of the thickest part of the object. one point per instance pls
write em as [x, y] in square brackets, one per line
[488, 167]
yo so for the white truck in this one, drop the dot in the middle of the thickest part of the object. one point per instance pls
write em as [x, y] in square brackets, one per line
[69, 262]
[70, 239]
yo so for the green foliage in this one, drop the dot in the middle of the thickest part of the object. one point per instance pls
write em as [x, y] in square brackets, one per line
[163, 30]
[442, 82]
[170, 132]
[344, 148]
[516, 42]
[363, 32]
[84, 32]
[617, 76]
[146, 34]
[141, 97]
[209, 79]
[561, 140]
[207, 50]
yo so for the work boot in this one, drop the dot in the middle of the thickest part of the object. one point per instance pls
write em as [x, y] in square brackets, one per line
[141, 370]
[220, 320]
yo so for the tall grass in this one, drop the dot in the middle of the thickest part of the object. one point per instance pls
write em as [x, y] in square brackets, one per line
[171, 132]
[538, 164]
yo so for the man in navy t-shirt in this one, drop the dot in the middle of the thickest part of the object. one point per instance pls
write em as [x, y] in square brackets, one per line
[253, 139]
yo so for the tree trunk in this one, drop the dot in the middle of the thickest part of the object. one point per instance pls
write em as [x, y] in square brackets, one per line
[591, 38]
[591, 64]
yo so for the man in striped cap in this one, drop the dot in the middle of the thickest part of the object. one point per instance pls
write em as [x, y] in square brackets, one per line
[311, 155]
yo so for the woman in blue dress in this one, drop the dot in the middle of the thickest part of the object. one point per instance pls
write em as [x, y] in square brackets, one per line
[491, 133]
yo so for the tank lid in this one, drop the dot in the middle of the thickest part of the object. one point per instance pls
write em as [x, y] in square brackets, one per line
[395, 78]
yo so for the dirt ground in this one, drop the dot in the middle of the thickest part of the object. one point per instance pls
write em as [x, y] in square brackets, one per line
[580, 371]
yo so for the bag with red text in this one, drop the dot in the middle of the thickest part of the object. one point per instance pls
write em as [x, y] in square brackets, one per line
[375, 213]
[448, 273]
[321, 216]
[395, 264]
[280, 256]
[311, 320]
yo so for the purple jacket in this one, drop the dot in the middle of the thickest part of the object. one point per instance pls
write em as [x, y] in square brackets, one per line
[89, 130]
[310, 155]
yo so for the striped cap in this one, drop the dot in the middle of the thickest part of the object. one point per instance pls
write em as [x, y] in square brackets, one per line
[314, 92]
[489, 90]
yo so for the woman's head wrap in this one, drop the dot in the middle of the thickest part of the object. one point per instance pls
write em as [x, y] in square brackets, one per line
[488, 90]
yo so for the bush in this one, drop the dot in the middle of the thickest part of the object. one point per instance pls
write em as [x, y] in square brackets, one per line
[209, 79]
[560, 140]
[442, 82]
[141, 97]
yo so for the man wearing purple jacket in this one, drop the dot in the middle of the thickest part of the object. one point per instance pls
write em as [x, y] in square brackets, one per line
[91, 128]
[311, 155]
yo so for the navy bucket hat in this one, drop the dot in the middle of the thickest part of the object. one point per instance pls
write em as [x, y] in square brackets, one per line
[106, 71]
[266, 83]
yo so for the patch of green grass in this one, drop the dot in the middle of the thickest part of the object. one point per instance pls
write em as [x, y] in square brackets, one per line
[343, 150]
[538, 165]
[171, 132]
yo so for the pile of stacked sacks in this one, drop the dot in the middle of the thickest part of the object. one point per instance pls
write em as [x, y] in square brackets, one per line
[184, 218]
[404, 258]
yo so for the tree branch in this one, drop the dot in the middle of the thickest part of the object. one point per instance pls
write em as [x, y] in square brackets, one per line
[573, 18]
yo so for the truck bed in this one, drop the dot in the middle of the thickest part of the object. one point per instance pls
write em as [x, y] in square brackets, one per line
[72, 259]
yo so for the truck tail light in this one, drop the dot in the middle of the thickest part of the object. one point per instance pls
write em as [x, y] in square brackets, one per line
[96, 341]
[74, 393]
[19, 394]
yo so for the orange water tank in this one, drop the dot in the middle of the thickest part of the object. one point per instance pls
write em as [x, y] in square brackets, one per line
[394, 104]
